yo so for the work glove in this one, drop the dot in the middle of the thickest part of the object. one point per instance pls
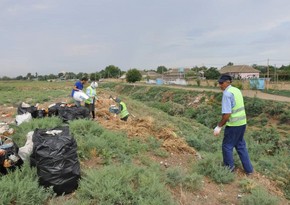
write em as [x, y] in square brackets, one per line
[217, 130]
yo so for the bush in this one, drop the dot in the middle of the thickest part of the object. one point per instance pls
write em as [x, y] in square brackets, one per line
[21, 187]
[210, 166]
[123, 184]
[285, 117]
[177, 177]
[133, 75]
[254, 106]
[43, 123]
[259, 196]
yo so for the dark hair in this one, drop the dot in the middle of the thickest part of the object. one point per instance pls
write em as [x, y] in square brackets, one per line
[84, 79]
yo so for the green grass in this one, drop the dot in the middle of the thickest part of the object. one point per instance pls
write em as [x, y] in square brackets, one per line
[278, 92]
[21, 187]
[124, 184]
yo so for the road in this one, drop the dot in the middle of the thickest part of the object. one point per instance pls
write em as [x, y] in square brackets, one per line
[246, 93]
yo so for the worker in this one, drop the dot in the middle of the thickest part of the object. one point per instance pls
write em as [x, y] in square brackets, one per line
[78, 86]
[122, 111]
[90, 103]
[234, 119]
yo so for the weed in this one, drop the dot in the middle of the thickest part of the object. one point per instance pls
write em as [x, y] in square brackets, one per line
[210, 166]
[124, 184]
[259, 196]
[21, 187]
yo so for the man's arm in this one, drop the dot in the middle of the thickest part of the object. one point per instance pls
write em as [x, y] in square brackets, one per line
[225, 118]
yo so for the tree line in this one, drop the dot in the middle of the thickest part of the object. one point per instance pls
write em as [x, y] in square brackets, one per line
[133, 75]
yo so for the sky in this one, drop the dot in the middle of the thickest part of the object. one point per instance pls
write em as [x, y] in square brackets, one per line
[52, 36]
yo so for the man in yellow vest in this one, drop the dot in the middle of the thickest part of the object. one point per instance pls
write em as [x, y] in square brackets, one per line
[90, 103]
[123, 112]
[234, 119]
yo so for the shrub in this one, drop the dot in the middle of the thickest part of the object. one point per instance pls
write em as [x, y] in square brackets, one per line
[177, 177]
[123, 184]
[21, 187]
[42, 123]
[254, 106]
[210, 166]
[259, 196]
[285, 117]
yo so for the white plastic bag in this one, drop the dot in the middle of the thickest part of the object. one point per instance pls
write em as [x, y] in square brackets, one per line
[23, 118]
[25, 151]
[80, 96]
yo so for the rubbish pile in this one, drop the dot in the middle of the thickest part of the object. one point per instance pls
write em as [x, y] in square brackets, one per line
[66, 112]
[52, 151]
[54, 154]
[9, 158]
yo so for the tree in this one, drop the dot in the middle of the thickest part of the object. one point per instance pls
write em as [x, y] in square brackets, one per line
[20, 77]
[80, 75]
[28, 76]
[70, 75]
[95, 76]
[161, 69]
[112, 71]
[212, 73]
[230, 64]
[133, 75]
[52, 76]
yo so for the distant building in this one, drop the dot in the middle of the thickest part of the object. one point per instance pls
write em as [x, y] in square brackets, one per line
[175, 73]
[240, 71]
[152, 75]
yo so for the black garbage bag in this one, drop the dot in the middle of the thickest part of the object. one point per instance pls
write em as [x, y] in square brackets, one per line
[22, 110]
[53, 109]
[11, 160]
[41, 113]
[55, 157]
[73, 113]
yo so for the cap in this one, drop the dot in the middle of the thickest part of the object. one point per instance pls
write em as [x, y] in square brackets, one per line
[118, 100]
[224, 78]
[94, 85]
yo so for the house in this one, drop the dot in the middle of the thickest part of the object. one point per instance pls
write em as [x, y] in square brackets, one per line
[240, 71]
[152, 75]
[175, 73]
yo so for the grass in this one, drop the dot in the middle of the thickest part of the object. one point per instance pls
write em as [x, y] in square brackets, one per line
[123, 185]
[21, 187]
[119, 180]
[278, 92]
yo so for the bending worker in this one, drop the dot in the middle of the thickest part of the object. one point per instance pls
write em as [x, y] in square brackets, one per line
[234, 117]
[92, 93]
[78, 86]
[123, 112]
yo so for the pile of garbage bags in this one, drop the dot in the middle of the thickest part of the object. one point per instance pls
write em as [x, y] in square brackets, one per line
[54, 154]
[66, 112]
[10, 160]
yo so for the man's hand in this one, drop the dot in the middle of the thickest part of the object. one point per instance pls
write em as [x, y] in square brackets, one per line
[217, 130]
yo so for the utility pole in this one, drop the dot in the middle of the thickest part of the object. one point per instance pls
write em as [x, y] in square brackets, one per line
[268, 79]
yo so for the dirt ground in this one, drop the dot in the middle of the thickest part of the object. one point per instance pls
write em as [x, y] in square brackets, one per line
[180, 154]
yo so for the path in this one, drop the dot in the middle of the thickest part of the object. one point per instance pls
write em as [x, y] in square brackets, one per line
[246, 93]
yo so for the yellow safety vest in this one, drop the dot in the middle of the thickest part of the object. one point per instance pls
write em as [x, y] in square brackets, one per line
[124, 112]
[238, 115]
[90, 99]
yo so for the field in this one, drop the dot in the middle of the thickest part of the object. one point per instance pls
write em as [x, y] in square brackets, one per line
[165, 154]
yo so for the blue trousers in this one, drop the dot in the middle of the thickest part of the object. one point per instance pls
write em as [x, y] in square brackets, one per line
[234, 138]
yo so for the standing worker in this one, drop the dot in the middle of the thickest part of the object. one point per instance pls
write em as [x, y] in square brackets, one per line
[78, 86]
[124, 114]
[92, 93]
[234, 117]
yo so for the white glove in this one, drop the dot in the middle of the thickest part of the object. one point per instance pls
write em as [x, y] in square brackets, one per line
[217, 130]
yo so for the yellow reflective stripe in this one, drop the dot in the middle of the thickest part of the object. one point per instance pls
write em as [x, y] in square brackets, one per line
[238, 110]
[235, 119]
